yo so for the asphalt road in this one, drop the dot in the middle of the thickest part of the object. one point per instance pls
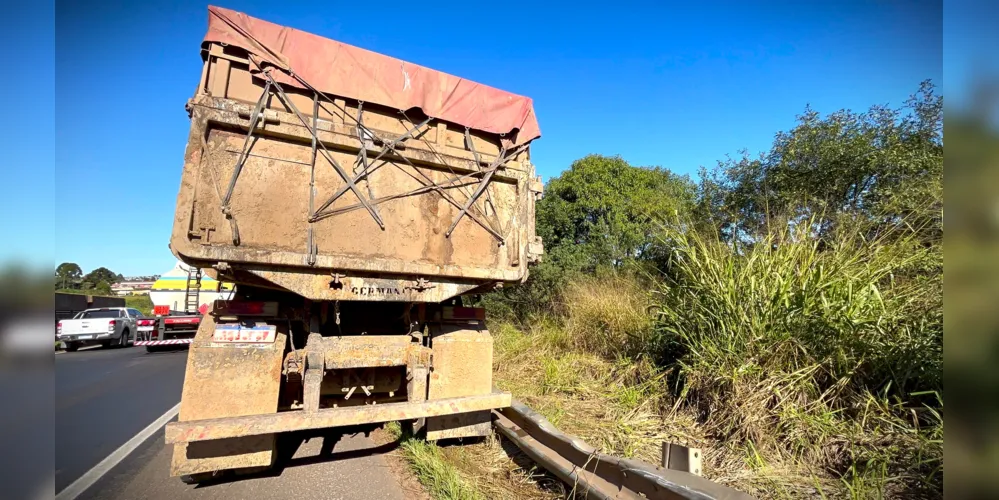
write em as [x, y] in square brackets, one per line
[104, 397]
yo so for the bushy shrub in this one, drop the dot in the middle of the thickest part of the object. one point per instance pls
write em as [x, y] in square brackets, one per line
[826, 351]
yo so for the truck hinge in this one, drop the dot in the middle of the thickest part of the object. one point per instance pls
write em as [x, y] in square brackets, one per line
[535, 249]
[537, 187]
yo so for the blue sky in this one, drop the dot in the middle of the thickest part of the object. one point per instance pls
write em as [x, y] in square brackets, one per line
[28, 134]
[678, 86]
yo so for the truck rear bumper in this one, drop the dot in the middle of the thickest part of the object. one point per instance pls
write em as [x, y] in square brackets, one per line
[86, 337]
[164, 342]
[253, 425]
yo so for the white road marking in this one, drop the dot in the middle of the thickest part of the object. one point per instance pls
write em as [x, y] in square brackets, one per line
[87, 480]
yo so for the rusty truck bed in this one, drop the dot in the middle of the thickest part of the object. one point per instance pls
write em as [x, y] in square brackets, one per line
[391, 204]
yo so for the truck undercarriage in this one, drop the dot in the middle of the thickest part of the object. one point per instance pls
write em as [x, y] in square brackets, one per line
[270, 362]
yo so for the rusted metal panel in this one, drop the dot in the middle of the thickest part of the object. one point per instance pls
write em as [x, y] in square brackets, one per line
[222, 454]
[312, 389]
[463, 360]
[364, 380]
[268, 175]
[228, 381]
[462, 314]
[597, 475]
[462, 425]
[412, 185]
[367, 351]
[254, 425]
[325, 285]
[418, 374]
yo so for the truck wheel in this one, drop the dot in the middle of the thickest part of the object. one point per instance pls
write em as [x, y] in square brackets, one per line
[72, 347]
[123, 340]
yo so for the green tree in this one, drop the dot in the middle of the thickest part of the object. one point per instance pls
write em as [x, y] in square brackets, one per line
[600, 214]
[67, 275]
[879, 166]
[100, 274]
[604, 212]
[103, 288]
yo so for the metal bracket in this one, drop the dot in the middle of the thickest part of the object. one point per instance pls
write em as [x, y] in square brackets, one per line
[347, 178]
[681, 458]
[535, 249]
[422, 284]
[266, 116]
[537, 187]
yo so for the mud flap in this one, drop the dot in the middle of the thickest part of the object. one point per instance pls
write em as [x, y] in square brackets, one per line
[462, 366]
[228, 381]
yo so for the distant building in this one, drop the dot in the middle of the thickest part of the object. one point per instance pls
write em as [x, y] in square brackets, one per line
[148, 277]
[132, 287]
[170, 290]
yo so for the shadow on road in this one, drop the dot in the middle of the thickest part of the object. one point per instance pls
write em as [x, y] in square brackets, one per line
[161, 349]
[288, 445]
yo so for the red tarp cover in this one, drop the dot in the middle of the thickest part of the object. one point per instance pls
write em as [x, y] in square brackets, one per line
[348, 71]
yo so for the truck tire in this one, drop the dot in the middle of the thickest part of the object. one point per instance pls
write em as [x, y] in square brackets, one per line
[72, 347]
[123, 339]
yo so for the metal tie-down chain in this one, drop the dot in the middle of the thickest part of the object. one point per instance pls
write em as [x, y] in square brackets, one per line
[336, 314]
[369, 202]
[325, 152]
[243, 155]
[427, 182]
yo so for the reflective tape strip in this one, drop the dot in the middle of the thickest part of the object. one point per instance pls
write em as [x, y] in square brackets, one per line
[163, 342]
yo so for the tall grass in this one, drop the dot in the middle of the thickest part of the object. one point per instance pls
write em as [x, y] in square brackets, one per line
[441, 478]
[608, 315]
[821, 357]
[803, 366]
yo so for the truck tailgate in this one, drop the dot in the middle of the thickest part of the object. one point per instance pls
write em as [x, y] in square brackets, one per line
[83, 326]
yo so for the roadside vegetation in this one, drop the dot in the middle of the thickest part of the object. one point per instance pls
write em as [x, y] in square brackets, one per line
[69, 278]
[141, 302]
[783, 313]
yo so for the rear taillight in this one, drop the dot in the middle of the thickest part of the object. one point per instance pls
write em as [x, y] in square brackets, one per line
[59, 328]
[145, 322]
[111, 325]
[245, 308]
[190, 320]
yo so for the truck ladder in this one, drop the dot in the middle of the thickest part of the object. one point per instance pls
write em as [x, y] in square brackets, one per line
[193, 290]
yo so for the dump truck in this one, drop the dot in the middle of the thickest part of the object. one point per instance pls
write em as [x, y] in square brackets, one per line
[355, 200]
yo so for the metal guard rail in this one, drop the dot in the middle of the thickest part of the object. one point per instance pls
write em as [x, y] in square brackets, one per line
[596, 475]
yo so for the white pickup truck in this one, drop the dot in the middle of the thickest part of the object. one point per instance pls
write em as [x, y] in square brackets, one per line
[106, 326]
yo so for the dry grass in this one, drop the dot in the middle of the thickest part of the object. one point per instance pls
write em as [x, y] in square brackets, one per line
[784, 364]
[613, 405]
[607, 316]
[476, 470]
